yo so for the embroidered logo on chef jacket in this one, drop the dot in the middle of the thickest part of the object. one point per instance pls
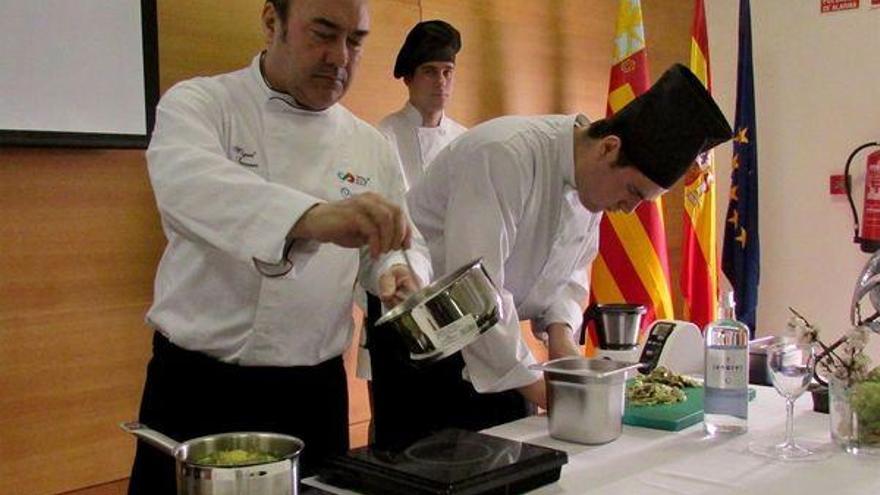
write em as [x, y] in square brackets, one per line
[353, 178]
[351, 183]
[244, 157]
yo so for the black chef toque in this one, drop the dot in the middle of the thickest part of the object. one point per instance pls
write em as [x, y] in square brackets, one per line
[428, 41]
[664, 129]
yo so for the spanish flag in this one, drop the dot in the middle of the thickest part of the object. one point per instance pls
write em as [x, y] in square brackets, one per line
[632, 263]
[699, 253]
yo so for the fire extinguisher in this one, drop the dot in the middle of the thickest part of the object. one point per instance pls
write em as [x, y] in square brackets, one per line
[869, 240]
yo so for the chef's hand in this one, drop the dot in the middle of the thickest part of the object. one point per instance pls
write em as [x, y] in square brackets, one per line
[536, 393]
[560, 342]
[363, 219]
[396, 284]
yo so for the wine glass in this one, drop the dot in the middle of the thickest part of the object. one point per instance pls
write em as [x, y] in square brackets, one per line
[790, 367]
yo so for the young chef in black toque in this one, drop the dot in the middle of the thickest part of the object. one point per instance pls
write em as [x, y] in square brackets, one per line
[418, 131]
[526, 194]
[266, 186]
[426, 63]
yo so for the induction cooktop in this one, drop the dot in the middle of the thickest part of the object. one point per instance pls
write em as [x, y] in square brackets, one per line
[450, 462]
[311, 490]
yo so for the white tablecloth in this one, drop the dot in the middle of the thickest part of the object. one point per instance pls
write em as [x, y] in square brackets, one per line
[646, 461]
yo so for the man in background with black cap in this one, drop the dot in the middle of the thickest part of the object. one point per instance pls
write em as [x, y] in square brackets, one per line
[419, 130]
[527, 194]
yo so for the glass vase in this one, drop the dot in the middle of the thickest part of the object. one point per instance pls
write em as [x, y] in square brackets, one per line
[852, 435]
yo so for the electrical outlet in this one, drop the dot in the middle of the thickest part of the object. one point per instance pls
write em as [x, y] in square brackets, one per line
[837, 185]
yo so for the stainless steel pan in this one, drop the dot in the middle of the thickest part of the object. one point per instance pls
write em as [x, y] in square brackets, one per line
[279, 477]
[446, 315]
[586, 398]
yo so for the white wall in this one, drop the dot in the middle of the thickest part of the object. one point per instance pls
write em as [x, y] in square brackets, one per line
[72, 66]
[817, 85]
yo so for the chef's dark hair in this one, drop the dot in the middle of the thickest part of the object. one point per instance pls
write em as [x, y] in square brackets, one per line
[602, 128]
[281, 7]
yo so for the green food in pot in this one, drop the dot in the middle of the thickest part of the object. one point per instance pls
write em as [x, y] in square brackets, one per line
[234, 457]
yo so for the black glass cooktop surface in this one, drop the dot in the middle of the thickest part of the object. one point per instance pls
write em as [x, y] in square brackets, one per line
[452, 462]
[311, 490]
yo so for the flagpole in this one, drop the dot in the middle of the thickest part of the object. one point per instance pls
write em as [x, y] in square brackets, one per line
[741, 253]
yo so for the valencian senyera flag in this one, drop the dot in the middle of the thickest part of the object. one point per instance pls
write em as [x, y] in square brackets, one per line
[699, 253]
[632, 265]
[741, 256]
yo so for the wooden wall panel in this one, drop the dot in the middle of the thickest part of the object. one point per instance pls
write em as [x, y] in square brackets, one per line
[81, 238]
[198, 37]
[113, 488]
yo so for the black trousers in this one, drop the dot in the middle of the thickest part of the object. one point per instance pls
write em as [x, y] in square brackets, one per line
[410, 403]
[188, 394]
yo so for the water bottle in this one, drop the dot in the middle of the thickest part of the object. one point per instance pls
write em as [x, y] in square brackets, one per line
[726, 386]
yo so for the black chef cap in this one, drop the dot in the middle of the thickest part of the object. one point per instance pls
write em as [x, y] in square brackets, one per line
[664, 129]
[428, 41]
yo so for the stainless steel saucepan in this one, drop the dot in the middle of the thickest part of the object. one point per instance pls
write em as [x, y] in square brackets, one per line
[585, 398]
[447, 314]
[197, 476]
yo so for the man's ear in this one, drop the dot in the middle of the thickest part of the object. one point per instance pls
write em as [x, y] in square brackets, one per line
[610, 146]
[269, 22]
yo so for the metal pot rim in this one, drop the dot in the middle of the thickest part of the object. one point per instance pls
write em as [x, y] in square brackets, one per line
[621, 308]
[180, 449]
[607, 367]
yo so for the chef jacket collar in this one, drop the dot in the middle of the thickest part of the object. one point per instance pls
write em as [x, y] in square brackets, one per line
[272, 94]
[566, 148]
[414, 117]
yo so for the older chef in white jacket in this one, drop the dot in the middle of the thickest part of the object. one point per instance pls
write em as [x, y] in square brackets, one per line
[265, 185]
[526, 194]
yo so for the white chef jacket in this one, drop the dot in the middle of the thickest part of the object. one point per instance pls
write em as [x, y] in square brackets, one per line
[505, 191]
[234, 165]
[416, 145]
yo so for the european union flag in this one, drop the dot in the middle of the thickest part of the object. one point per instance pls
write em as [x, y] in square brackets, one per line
[740, 260]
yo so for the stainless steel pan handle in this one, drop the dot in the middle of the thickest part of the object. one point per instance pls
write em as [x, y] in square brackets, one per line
[162, 442]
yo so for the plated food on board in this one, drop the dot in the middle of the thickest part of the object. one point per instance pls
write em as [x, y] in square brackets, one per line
[661, 386]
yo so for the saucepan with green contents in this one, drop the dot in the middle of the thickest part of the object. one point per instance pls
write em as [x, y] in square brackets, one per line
[240, 463]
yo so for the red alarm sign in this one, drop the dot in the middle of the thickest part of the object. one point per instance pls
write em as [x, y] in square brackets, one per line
[835, 5]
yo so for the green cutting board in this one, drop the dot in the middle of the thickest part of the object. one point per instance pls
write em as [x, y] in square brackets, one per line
[671, 417]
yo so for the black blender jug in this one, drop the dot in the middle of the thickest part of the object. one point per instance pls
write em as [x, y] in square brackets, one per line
[617, 325]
